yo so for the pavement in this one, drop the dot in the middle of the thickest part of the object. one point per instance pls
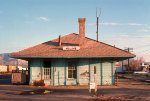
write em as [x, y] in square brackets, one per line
[137, 77]
[127, 90]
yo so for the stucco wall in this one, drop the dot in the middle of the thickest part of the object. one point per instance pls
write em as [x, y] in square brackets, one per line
[58, 71]
[35, 70]
[85, 72]
[95, 77]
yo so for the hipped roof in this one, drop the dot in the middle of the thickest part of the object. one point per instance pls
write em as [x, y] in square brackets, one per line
[90, 49]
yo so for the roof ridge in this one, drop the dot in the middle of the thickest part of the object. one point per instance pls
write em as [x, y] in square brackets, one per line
[108, 45]
[43, 43]
[62, 36]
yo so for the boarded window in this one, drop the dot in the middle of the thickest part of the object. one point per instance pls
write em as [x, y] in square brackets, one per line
[71, 70]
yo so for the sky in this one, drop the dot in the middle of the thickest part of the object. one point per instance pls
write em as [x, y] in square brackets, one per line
[123, 23]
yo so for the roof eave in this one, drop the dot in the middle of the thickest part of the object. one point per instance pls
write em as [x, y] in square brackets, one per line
[28, 57]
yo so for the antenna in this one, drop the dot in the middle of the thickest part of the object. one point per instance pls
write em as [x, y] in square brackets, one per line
[97, 21]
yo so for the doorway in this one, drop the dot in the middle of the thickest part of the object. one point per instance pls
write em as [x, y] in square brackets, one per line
[47, 70]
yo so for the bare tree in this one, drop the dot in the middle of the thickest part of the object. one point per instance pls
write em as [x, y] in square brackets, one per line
[135, 64]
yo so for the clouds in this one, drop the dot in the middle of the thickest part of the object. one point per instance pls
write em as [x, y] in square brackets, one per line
[117, 24]
[131, 34]
[129, 27]
[145, 29]
[121, 24]
[131, 40]
[139, 43]
[135, 24]
[42, 18]
[111, 24]
[34, 20]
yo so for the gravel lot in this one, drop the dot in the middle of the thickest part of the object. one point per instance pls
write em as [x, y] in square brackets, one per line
[127, 90]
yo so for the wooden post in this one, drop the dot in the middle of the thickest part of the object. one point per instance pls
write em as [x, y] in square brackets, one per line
[58, 78]
[116, 80]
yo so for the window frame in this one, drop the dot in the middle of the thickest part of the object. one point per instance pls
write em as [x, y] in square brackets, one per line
[73, 70]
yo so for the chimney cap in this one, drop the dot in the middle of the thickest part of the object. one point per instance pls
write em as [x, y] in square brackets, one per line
[81, 19]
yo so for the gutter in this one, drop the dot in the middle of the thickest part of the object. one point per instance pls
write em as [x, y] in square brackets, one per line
[72, 57]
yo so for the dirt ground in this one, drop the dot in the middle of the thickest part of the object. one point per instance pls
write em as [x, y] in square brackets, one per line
[127, 90]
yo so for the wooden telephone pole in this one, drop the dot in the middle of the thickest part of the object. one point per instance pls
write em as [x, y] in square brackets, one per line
[97, 22]
[129, 50]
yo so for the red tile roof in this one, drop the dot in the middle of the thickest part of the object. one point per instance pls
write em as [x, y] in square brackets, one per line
[91, 48]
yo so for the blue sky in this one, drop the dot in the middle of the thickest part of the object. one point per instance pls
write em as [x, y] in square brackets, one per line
[123, 23]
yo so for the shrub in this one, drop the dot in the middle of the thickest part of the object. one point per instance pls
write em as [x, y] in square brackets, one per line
[39, 83]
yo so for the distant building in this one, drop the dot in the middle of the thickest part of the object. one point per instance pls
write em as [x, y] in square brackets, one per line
[120, 68]
[72, 59]
[7, 68]
[10, 68]
[145, 66]
[3, 68]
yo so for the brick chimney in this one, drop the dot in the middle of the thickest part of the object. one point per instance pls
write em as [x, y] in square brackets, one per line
[81, 30]
[59, 41]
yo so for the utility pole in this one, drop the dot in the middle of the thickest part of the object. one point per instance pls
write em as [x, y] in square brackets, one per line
[97, 22]
[129, 50]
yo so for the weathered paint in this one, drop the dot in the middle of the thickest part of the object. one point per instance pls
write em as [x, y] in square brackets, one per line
[35, 70]
[59, 74]
[85, 72]
[46, 81]
[65, 76]
[107, 73]
[95, 77]
[77, 73]
[113, 73]
[70, 81]
[89, 71]
[29, 73]
[53, 80]
[101, 73]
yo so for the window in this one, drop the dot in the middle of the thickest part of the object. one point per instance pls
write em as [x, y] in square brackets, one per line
[71, 70]
[47, 69]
